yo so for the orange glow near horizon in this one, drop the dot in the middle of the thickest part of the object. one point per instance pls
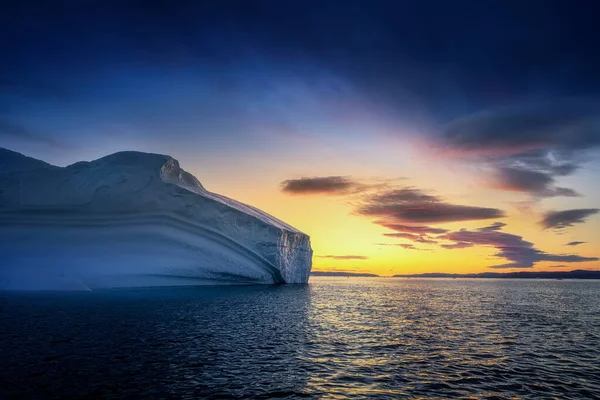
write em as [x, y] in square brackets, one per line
[335, 231]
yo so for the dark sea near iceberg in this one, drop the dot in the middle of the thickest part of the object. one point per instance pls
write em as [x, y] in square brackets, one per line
[333, 338]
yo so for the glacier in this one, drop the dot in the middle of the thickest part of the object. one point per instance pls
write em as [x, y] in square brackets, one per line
[134, 219]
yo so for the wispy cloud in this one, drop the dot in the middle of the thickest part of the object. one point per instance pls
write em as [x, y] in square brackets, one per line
[566, 218]
[406, 246]
[415, 229]
[457, 245]
[519, 253]
[409, 236]
[575, 243]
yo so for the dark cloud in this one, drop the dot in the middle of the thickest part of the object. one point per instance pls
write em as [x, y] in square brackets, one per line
[566, 218]
[527, 257]
[538, 183]
[332, 185]
[519, 253]
[413, 206]
[516, 130]
[344, 257]
[528, 147]
[575, 243]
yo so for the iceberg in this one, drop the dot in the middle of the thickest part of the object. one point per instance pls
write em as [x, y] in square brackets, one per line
[134, 219]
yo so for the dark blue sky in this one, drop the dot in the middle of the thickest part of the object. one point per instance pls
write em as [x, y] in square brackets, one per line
[142, 63]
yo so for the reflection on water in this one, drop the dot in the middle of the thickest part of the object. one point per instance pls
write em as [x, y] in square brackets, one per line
[335, 338]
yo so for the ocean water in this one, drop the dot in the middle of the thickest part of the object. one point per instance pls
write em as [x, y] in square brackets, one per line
[333, 338]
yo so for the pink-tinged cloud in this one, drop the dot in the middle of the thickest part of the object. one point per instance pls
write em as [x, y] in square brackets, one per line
[409, 206]
[526, 147]
[415, 229]
[519, 253]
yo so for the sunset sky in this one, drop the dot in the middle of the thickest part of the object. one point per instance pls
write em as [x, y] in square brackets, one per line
[402, 136]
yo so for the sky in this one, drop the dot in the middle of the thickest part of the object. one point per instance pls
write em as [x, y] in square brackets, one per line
[402, 136]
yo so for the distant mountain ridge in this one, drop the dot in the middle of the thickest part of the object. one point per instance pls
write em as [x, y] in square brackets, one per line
[576, 274]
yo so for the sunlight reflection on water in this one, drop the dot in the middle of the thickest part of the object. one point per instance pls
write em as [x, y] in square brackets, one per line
[334, 338]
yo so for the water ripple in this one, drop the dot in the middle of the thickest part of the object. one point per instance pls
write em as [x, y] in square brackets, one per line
[335, 338]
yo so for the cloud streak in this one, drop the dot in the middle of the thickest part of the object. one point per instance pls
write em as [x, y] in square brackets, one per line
[566, 218]
[413, 206]
[329, 185]
[565, 124]
[415, 229]
[519, 253]
[409, 236]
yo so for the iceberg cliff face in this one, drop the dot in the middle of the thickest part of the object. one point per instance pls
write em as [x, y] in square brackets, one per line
[134, 219]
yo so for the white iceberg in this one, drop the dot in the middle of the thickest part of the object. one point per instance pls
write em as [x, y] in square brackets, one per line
[134, 219]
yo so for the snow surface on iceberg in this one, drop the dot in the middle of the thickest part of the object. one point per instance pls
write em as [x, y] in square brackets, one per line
[134, 219]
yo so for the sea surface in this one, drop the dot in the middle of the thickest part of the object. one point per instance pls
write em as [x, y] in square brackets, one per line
[333, 338]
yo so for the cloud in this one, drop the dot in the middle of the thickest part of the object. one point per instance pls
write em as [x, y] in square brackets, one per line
[416, 229]
[576, 243]
[457, 245]
[496, 226]
[519, 253]
[344, 257]
[335, 185]
[566, 218]
[410, 236]
[538, 183]
[332, 185]
[528, 146]
[564, 124]
[407, 246]
[412, 206]
[526, 258]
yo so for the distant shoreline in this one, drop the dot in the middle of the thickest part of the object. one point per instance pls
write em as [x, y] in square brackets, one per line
[576, 274]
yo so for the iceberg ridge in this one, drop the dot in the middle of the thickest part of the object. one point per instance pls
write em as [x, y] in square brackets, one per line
[134, 219]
